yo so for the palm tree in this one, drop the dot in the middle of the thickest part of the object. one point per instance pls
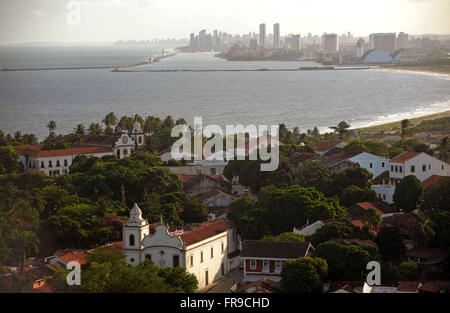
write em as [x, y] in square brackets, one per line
[74, 139]
[422, 230]
[405, 124]
[110, 120]
[95, 129]
[80, 130]
[341, 128]
[51, 126]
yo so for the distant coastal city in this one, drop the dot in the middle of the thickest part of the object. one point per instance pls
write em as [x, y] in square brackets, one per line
[328, 48]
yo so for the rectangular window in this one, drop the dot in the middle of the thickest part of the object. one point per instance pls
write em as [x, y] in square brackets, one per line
[392, 168]
[58, 164]
[176, 260]
[382, 164]
[50, 164]
[371, 165]
[424, 168]
[65, 163]
[213, 170]
[401, 169]
[212, 252]
[253, 264]
[201, 257]
[192, 260]
[413, 168]
[429, 166]
[384, 197]
[278, 264]
[266, 264]
[223, 247]
[42, 164]
[148, 257]
[396, 168]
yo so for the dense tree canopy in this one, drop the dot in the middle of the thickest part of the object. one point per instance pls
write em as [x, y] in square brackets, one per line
[408, 193]
[303, 275]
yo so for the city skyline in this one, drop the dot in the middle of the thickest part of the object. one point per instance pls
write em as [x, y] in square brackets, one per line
[109, 21]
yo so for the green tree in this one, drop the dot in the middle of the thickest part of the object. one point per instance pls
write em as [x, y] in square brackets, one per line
[372, 218]
[332, 230]
[390, 243]
[353, 194]
[408, 271]
[303, 275]
[341, 128]
[312, 174]
[404, 125]
[288, 236]
[194, 211]
[9, 160]
[346, 263]
[422, 230]
[80, 129]
[95, 129]
[408, 193]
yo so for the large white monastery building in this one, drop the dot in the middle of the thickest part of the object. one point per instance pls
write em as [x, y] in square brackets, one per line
[423, 166]
[208, 251]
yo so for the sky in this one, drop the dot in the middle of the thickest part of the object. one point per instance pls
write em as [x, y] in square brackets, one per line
[99, 21]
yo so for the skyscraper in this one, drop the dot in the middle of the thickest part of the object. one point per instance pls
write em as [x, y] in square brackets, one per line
[402, 40]
[276, 36]
[330, 43]
[383, 41]
[262, 35]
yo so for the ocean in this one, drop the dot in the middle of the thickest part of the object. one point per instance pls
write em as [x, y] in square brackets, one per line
[29, 99]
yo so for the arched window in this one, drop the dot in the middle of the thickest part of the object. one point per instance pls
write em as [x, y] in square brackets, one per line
[131, 240]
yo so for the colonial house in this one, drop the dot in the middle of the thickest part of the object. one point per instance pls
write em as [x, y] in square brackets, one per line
[419, 164]
[323, 147]
[199, 184]
[372, 163]
[207, 251]
[264, 259]
[359, 210]
[216, 198]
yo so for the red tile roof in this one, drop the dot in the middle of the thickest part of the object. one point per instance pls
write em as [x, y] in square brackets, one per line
[70, 255]
[405, 156]
[431, 181]
[408, 286]
[429, 288]
[38, 153]
[298, 158]
[354, 241]
[205, 231]
[326, 145]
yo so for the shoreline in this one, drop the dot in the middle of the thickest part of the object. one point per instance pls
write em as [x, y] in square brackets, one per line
[396, 124]
[418, 70]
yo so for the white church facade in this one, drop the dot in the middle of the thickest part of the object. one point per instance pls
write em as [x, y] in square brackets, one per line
[207, 251]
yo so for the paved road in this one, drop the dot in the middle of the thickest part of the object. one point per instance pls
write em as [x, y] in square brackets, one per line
[224, 285]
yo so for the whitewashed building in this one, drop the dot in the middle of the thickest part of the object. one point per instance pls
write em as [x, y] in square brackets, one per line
[208, 251]
[419, 164]
[372, 163]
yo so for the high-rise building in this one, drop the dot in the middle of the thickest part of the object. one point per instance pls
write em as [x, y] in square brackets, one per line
[202, 40]
[276, 35]
[402, 40]
[262, 35]
[292, 43]
[359, 49]
[383, 41]
[330, 44]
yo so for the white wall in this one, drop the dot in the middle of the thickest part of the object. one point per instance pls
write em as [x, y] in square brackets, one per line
[373, 163]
